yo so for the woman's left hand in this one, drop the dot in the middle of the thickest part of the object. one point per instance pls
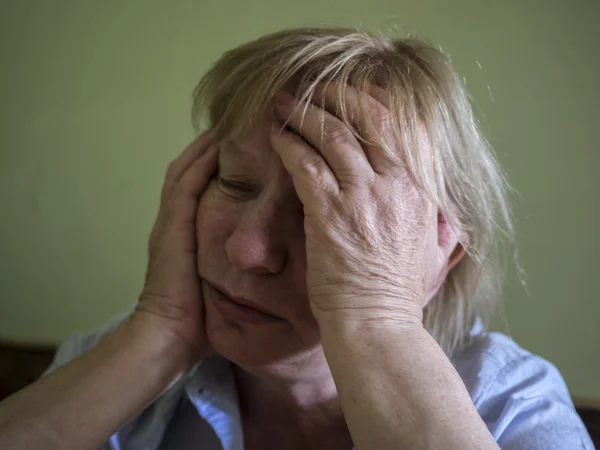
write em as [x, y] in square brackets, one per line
[370, 232]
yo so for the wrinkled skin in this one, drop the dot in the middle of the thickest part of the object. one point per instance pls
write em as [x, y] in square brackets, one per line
[305, 224]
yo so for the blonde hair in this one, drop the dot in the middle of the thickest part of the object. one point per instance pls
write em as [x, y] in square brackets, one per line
[426, 98]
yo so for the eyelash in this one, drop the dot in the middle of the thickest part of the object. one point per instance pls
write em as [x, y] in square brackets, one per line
[238, 187]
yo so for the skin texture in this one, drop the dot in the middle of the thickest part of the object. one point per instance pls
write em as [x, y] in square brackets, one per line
[251, 242]
[335, 243]
[280, 227]
[80, 405]
[377, 251]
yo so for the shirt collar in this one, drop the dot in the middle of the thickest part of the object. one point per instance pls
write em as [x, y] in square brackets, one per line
[212, 390]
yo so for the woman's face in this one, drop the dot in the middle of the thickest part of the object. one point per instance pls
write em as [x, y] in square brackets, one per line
[251, 247]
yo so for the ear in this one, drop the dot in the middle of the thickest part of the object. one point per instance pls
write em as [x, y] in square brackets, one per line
[449, 252]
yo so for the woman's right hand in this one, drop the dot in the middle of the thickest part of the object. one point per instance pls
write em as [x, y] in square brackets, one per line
[172, 297]
[82, 403]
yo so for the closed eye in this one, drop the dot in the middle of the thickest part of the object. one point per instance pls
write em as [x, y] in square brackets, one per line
[236, 186]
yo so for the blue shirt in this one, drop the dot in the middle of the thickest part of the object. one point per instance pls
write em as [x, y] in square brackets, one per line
[521, 397]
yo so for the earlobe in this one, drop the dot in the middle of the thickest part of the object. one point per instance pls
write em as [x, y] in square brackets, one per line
[455, 257]
[448, 263]
[450, 251]
[449, 243]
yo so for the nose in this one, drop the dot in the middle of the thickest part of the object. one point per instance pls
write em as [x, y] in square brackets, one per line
[258, 244]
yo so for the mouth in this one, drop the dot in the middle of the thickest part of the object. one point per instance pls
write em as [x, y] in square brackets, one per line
[239, 309]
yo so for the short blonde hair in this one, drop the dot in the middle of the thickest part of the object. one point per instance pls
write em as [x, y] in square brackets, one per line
[424, 94]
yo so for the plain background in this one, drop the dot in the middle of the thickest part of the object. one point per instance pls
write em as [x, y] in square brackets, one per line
[95, 99]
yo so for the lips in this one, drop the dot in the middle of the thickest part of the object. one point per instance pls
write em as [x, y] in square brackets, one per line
[240, 308]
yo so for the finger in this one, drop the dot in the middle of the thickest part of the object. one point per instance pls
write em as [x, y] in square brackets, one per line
[368, 114]
[191, 185]
[312, 177]
[192, 152]
[175, 171]
[364, 110]
[329, 135]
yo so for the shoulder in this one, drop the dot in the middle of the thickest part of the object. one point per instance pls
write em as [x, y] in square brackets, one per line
[521, 397]
[492, 361]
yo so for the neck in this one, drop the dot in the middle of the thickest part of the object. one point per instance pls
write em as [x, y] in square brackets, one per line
[297, 399]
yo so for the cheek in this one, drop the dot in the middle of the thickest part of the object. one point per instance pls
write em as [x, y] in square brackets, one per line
[215, 222]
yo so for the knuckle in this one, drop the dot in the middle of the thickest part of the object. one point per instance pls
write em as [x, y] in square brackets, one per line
[172, 171]
[381, 117]
[164, 193]
[177, 191]
[378, 119]
[311, 164]
[337, 134]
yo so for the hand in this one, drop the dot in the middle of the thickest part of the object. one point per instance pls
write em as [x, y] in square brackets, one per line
[370, 232]
[172, 297]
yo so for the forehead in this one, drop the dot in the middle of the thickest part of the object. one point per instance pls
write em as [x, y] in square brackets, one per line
[253, 147]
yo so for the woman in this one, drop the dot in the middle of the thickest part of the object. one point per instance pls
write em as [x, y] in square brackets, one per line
[317, 273]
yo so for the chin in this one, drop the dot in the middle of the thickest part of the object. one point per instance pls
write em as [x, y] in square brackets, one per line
[247, 340]
[265, 351]
[246, 344]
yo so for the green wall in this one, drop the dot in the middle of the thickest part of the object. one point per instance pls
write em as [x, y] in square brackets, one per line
[95, 100]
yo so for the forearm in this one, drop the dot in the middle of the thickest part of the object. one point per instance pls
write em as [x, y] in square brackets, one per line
[80, 405]
[398, 389]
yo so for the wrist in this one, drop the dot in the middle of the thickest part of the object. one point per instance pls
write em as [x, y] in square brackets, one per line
[368, 313]
[147, 333]
[356, 333]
